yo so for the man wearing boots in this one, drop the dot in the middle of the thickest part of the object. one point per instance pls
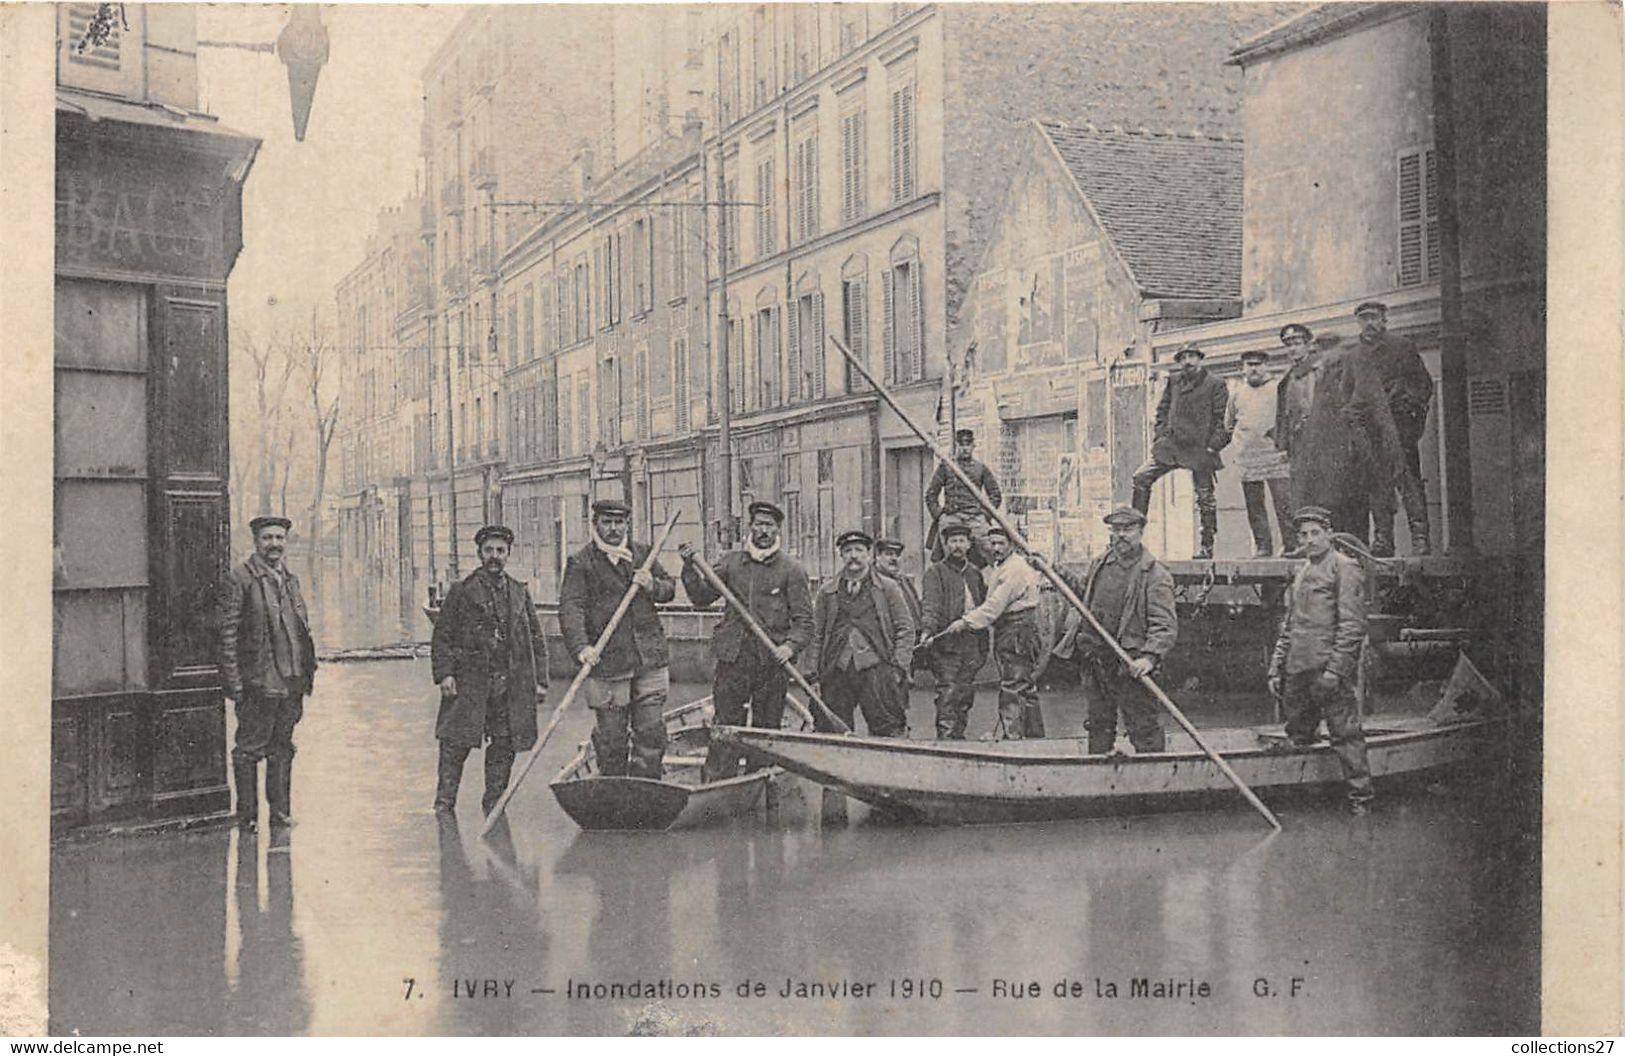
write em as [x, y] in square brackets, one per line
[862, 639]
[268, 664]
[953, 586]
[627, 688]
[1131, 593]
[1011, 609]
[1250, 420]
[1316, 654]
[949, 502]
[773, 586]
[1189, 434]
[1409, 388]
[490, 660]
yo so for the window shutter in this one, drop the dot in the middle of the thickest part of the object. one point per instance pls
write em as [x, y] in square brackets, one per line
[902, 105]
[916, 349]
[793, 352]
[642, 398]
[1431, 204]
[566, 411]
[679, 355]
[649, 264]
[736, 365]
[818, 354]
[888, 330]
[1411, 220]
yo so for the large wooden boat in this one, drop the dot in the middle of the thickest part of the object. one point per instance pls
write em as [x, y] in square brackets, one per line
[680, 800]
[948, 782]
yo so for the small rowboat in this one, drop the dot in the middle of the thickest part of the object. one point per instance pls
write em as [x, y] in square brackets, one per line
[679, 801]
[946, 782]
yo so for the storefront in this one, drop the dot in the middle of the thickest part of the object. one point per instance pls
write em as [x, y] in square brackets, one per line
[148, 226]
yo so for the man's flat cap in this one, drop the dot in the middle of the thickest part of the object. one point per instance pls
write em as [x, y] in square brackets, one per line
[1296, 328]
[1318, 514]
[1124, 515]
[769, 509]
[1371, 306]
[493, 531]
[956, 529]
[965, 436]
[1255, 355]
[257, 523]
[998, 531]
[1189, 350]
[846, 539]
[613, 507]
[889, 546]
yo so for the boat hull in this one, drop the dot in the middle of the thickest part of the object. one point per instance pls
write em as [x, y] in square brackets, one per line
[1053, 779]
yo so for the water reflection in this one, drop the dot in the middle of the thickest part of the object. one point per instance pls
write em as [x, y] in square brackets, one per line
[269, 995]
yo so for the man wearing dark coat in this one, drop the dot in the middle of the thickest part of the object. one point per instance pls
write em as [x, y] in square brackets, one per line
[627, 688]
[1347, 448]
[863, 638]
[1131, 593]
[773, 586]
[953, 586]
[1189, 434]
[268, 664]
[1295, 392]
[1409, 388]
[949, 502]
[490, 660]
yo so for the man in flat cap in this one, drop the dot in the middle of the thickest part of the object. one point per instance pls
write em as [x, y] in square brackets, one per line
[863, 638]
[1313, 667]
[950, 502]
[773, 586]
[1131, 593]
[889, 563]
[1293, 395]
[268, 665]
[1250, 420]
[489, 658]
[1011, 610]
[1409, 388]
[1189, 434]
[627, 689]
[953, 586]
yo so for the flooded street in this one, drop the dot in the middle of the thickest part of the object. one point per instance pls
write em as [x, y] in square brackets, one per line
[372, 917]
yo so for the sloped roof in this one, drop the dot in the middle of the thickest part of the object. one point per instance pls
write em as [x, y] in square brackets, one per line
[1317, 24]
[1170, 202]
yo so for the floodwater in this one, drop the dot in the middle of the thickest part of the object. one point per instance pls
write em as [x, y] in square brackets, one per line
[373, 917]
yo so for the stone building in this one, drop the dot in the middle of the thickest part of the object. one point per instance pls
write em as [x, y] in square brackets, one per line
[148, 228]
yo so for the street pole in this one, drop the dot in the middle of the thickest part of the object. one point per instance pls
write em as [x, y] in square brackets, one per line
[1458, 461]
[724, 353]
[451, 468]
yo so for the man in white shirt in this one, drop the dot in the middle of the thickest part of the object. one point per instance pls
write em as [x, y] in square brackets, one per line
[1250, 418]
[1011, 609]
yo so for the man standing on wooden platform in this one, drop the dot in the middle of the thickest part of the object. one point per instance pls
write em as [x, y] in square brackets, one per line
[949, 502]
[1011, 609]
[953, 586]
[1250, 420]
[1131, 593]
[1189, 434]
[863, 637]
[490, 660]
[1316, 654]
[628, 685]
[773, 586]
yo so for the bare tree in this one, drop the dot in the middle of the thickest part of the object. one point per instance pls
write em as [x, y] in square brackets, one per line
[316, 359]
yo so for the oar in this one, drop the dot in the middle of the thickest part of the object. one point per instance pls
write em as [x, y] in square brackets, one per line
[767, 640]
[1060, 585]
[581, 676]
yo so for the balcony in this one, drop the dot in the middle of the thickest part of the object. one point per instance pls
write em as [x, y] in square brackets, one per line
[454, 280]
[451, 195]
[485, 172]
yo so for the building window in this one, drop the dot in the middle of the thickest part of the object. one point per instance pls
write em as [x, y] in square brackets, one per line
[854, 323]
[728, 60]
[546, 339]
[806, 42]
[586, 423]
[852, 31]
[736, 362]
[678, 248]
[806, 358]
[852, 149]
[769, 357]
[679, 366]
[806, 185]
[643, 265]
[730, 240]
[765, 72]
[581, 300]
[567, 437]
[765, 235]
[903, 319]
[1418, 217]
[902, 139]
[641, 397]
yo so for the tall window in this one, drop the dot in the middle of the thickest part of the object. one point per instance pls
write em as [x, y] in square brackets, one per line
[728, 60]
[641, 381]
[586, 422]
[806, 358]
[1418, 217]
[567, 435]
[852, 144]
[806, 184]
[679, 366]
[902, 139]
[730, 241]
[580, 301]
[768, 357]
[904, 320]
[854, 321]
[766, 241]
[765, 68]
[678, 250]
[736, 362]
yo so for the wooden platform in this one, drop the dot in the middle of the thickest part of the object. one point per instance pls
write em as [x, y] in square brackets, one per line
[1280, 569]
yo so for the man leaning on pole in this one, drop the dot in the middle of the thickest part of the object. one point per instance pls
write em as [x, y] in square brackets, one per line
[1011, 609]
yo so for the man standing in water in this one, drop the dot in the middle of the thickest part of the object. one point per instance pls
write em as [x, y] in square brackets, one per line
[953, 586]
[862, 640]
[1011, 609]
[1312, 670]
